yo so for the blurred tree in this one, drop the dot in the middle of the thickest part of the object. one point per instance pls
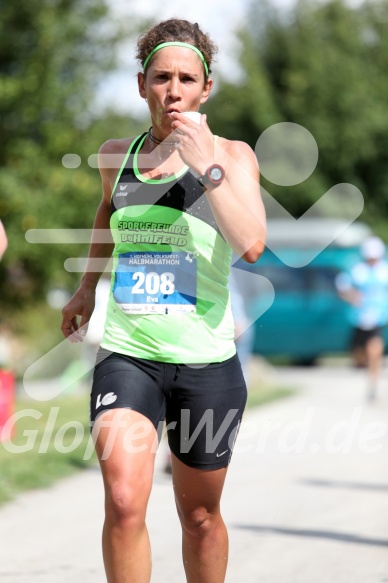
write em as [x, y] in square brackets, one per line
[322, 66]
[53, 53]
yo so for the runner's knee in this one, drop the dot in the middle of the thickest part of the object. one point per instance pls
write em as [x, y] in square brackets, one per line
[198, 522]
[125, 505]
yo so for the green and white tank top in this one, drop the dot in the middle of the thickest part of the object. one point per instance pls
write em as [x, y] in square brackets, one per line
[169, 299]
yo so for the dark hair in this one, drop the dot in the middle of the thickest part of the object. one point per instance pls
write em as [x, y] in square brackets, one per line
[179, 30]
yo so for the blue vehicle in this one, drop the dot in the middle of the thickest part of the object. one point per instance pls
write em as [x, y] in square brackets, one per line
[307, 318]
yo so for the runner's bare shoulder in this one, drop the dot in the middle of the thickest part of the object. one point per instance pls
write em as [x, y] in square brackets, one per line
[112, 153]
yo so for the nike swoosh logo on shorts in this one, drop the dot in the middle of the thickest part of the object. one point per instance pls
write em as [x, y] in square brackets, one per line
[221, 454]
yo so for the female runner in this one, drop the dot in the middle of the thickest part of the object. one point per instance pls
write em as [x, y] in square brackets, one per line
[177, 201]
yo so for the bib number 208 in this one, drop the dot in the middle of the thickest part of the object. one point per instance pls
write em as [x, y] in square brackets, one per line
[154, 283]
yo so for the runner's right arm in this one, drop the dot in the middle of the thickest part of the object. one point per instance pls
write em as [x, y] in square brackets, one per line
[346, 290]
[82, 302]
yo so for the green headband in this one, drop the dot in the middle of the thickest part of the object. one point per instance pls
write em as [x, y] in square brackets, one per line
[177, 44]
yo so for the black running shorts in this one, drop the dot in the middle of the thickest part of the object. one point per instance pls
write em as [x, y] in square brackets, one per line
[361, 337]
[201, 405]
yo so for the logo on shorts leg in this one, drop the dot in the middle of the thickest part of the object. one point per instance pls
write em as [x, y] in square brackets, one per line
[221, 454]
[107, 399]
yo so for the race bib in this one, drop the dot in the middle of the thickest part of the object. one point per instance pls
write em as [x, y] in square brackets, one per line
[156, 283]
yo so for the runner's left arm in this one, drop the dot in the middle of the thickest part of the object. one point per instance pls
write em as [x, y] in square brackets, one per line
[236, 202]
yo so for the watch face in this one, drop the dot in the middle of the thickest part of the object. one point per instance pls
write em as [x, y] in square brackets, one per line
[216, 174]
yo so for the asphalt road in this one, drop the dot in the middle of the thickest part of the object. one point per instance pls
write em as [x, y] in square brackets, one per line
[306, 498]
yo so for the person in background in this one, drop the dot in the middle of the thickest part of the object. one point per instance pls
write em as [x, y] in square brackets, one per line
[3, 240]
[365, 287]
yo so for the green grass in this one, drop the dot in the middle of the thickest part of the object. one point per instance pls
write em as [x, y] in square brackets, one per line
[258, 395]
[41, 431]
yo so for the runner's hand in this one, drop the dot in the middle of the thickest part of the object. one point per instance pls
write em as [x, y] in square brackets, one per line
[194, 142]
[81, 304]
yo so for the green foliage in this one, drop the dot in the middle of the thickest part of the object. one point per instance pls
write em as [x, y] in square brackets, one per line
[322, 66]
[53, 53]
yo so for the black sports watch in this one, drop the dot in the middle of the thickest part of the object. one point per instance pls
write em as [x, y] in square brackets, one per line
[213, 176]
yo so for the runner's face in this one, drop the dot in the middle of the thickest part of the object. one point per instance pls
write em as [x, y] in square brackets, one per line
[174, 82]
